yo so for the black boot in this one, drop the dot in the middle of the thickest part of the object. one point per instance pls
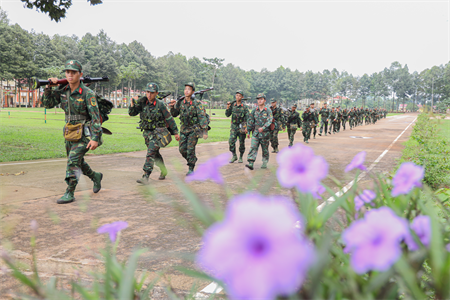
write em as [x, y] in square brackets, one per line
[97, 179]
[144, 179]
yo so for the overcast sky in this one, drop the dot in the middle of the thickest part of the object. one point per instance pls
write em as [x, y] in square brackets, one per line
[356, 36]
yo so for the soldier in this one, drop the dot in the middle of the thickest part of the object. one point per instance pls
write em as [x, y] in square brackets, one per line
[258, 123]
[339, 118]
[293, 123]
[344, 118]
[333, 116]
[308, 118]
[82, 116]
[316, 119]
[278, 122]
[324, 113]
[239, 115]
[194, 124]
[154, 117]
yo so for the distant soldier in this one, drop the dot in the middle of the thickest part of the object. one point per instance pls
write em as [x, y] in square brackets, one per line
[333, 120]
[338, 119]
[278, 122]
[194, 124]
[293, 123]
[324, 113]
[344, 118]
[258, 123]
[308, 119]
[82, 115]
[316, 119]
[239, 116]
[154, 117]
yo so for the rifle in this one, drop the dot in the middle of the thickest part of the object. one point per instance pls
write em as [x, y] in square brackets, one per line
[243, 99]
[196, 93]
[37, 83]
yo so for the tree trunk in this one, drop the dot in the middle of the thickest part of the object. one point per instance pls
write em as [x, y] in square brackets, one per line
[1, 93]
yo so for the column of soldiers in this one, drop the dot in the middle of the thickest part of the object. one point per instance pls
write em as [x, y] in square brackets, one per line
[158, 125]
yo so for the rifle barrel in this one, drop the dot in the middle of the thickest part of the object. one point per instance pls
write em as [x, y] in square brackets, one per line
[37, 83]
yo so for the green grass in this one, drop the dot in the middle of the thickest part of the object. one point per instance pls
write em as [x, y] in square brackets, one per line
[24, 135]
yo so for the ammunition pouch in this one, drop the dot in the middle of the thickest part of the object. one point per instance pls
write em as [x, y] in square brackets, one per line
[73, 133]
[293, 126]
[163, 136]
[242, 127]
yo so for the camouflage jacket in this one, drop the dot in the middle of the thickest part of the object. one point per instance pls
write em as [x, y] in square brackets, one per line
[324, 113]
[278, 116]
[153, 115]
[191, 114]
[339, 115]
[82, 103]
[345, 115]
[308, 117]
[333, 116]
[294, 118]
[239, 114]
[260, 119]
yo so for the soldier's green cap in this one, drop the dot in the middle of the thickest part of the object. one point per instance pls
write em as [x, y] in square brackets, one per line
[273, 100]
[191, 84]
[240, 92]
[73, 65]
[294, 105]
[261, 95]
[152, 87]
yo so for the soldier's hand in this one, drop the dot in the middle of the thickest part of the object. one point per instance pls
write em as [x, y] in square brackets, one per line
[228, 105]
[92, 145]
[205, 136]
[246, 131]
[54, 82]
[260, 129]
[177, 137]
[172, 102]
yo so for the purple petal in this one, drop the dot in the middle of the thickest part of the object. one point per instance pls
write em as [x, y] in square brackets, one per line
[421, 225]
[210, 169]
[113, 229]
[408, 176]
[357, 162]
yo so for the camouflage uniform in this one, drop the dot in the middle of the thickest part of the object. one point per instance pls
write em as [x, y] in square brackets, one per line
[153, 115]
[316, 121]
[294, 119]
[239, 116]
[351, 120]
[278, 117]
[324, 113]
[338, 119]
[259, 119]
[333, 121]
[308, 118]
[193, 122]
[344, 118]
[83, 107]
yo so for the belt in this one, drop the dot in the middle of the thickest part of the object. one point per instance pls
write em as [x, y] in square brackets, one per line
[75, 118]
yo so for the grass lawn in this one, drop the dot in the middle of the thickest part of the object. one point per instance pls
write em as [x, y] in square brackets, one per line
[24, 135]
[444, 126]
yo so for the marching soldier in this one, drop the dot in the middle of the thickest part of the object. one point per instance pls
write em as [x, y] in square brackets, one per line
[278, 118]
[333, 120]
[316, 119]
[154, 117]
[293, 123]
[194, 124]
[239, 115]
[81, 112]
[258, 123]
[308, 118]
[338, 119]
[344, 118]
[324, 113]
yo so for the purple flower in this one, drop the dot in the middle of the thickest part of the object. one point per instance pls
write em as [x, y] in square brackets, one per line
[210, 169]
[374, 242]
[256, 250]
[366, 197]
[113, 229]
[34, 226]
[300, 168]
[407, 177]
[357, 162]
[421, 225]
[318, 190]
[447, 247]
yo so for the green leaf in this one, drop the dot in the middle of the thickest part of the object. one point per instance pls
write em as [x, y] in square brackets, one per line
[126, 287]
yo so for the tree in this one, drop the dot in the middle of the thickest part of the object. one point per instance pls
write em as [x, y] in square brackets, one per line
[55, 10]
[365, 85]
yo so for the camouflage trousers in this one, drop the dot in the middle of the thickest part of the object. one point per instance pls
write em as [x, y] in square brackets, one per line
[274, 138]
[314, 130]
[351, 122]
[343, 123]
[263, 140]
[235, 134]
[188, 141]
[333, 126]
[338, 125]
[153, 154]
[306, 130]
[75, 162]
[323, 123]
[291, 134]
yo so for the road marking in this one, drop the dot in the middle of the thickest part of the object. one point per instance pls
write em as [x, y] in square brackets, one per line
[349, 186]
[34, 162]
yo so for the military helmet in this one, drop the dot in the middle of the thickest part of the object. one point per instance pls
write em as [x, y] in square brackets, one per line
[73, 65]
[240, 92]
[191, 84]
[273, 100]
[261, 95]
[152, 87]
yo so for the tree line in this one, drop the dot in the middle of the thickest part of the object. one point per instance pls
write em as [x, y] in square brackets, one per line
[130, 66]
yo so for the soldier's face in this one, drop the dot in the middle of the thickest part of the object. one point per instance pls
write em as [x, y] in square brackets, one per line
[73, 76]
[261, 101]
[293, 108]
[274, 104]
[188, 91]
[239, 97]
[151, 95]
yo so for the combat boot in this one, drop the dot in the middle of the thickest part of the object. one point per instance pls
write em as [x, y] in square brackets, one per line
[67, 197]
[233, 159]
[191, 170]
[97, 179]
[275, 150]
[163, 174]
[264, 165]
[249, 165]
[321, 134]
[240, 159]
[144, 179]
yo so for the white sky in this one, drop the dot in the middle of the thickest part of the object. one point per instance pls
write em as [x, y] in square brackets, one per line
[356, 36]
